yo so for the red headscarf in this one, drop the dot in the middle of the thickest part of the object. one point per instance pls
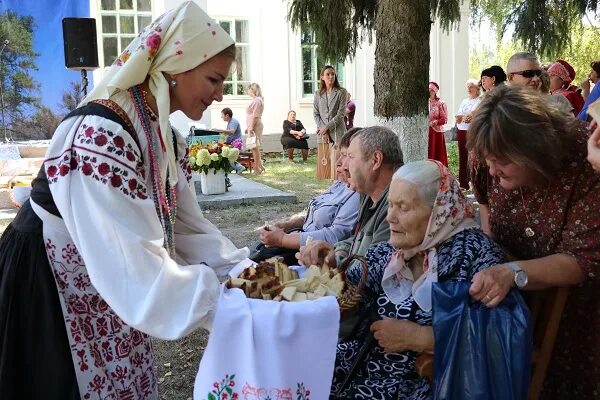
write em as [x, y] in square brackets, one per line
[563, 70]
[435, 87]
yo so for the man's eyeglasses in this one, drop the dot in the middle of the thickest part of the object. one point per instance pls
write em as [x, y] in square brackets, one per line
[529, 73]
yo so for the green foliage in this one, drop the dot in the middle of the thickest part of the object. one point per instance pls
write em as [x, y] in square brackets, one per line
[486, 56]
[40, 125]
[18, 60]
[71, 98]
[298, 178]
[340, 26]
[447, 12]
[582, 50]
[544, 27]
[452, 149]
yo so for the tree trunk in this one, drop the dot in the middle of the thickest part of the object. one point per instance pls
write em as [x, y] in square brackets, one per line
[402, 72]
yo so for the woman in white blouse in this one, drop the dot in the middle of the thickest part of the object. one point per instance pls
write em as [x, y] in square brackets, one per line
[112, 247]
[463, 119]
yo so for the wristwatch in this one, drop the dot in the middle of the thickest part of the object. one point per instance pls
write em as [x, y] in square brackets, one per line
[520, 275]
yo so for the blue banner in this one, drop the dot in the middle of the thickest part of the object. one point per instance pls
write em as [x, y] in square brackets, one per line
[48, 43]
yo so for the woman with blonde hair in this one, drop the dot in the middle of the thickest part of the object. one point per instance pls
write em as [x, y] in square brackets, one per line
[254, 125]
[112, 247]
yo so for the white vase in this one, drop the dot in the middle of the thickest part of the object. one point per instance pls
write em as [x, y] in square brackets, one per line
[213, 183]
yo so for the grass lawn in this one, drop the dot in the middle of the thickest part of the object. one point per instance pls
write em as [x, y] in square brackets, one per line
[300, 178]
[452, 149]
[297, 177]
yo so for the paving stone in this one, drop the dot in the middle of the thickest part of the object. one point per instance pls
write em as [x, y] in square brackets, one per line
[242, 191]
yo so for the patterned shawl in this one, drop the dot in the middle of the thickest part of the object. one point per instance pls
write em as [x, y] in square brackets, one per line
[451, 213]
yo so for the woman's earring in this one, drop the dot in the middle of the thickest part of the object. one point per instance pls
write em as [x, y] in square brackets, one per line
[173, 83]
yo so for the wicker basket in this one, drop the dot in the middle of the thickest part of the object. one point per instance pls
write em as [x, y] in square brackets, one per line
[351, 297]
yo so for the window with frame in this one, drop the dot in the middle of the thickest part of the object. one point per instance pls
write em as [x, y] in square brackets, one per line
[312, 64]
[120, 23]
[237, 81]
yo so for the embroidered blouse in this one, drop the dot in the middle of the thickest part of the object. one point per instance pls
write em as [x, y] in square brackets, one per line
[438, 111]
[100, 181]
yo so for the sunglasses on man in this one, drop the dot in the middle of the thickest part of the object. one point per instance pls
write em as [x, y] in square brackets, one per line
[528, 73]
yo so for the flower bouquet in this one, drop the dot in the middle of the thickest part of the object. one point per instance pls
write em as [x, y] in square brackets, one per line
[213, 161]
[215, 156]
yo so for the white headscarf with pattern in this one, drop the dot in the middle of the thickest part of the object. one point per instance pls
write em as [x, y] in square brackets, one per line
[450, 214]
[176, 42]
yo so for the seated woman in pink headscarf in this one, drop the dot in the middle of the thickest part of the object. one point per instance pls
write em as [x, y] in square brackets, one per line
[433, 238]
[438, 117]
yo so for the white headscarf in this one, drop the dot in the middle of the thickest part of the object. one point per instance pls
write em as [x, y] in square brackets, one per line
[451, 213]
[177, 41]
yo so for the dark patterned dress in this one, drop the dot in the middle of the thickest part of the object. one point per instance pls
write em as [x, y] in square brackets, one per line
[387, 376]
[565, 217]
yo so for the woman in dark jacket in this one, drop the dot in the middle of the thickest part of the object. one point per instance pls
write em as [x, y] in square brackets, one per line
[294, 136]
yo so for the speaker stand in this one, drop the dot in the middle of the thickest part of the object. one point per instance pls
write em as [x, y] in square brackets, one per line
[84, 82]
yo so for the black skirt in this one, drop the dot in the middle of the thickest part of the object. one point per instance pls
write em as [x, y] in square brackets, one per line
[35, 356]
[290, 142]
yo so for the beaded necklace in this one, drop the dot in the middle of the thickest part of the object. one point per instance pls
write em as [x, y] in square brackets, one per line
[165, 197]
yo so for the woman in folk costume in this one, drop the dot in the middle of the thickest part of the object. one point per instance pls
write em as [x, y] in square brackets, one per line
[561, 75]
[112, 247]
[438, 117]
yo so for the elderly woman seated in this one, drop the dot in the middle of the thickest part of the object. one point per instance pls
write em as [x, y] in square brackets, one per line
[331, 216]
[433, 225]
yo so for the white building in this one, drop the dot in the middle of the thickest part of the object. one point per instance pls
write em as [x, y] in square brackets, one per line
[282, 61]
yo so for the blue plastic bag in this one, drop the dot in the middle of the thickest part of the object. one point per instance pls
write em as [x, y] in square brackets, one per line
[480, 353]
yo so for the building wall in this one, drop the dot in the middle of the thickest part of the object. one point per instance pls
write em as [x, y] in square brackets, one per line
[276, 65]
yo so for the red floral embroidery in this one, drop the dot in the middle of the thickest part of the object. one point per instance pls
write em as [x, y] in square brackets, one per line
[112, 360]
[105, 157]
[100, 140]
[184, 163]
[249, 391]
[223, 389]
[50, 249]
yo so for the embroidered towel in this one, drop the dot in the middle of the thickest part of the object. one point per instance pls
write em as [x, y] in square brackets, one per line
[269, 350]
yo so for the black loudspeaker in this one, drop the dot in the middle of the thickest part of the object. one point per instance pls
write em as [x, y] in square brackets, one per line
[81, 46]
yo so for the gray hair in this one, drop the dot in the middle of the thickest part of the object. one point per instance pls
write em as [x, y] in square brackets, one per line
[515, 58]
[472, 82]
[380, 138]
[425, 175]
[475, 83]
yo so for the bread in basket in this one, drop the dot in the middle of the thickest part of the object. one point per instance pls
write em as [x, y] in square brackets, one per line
[273, 280]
